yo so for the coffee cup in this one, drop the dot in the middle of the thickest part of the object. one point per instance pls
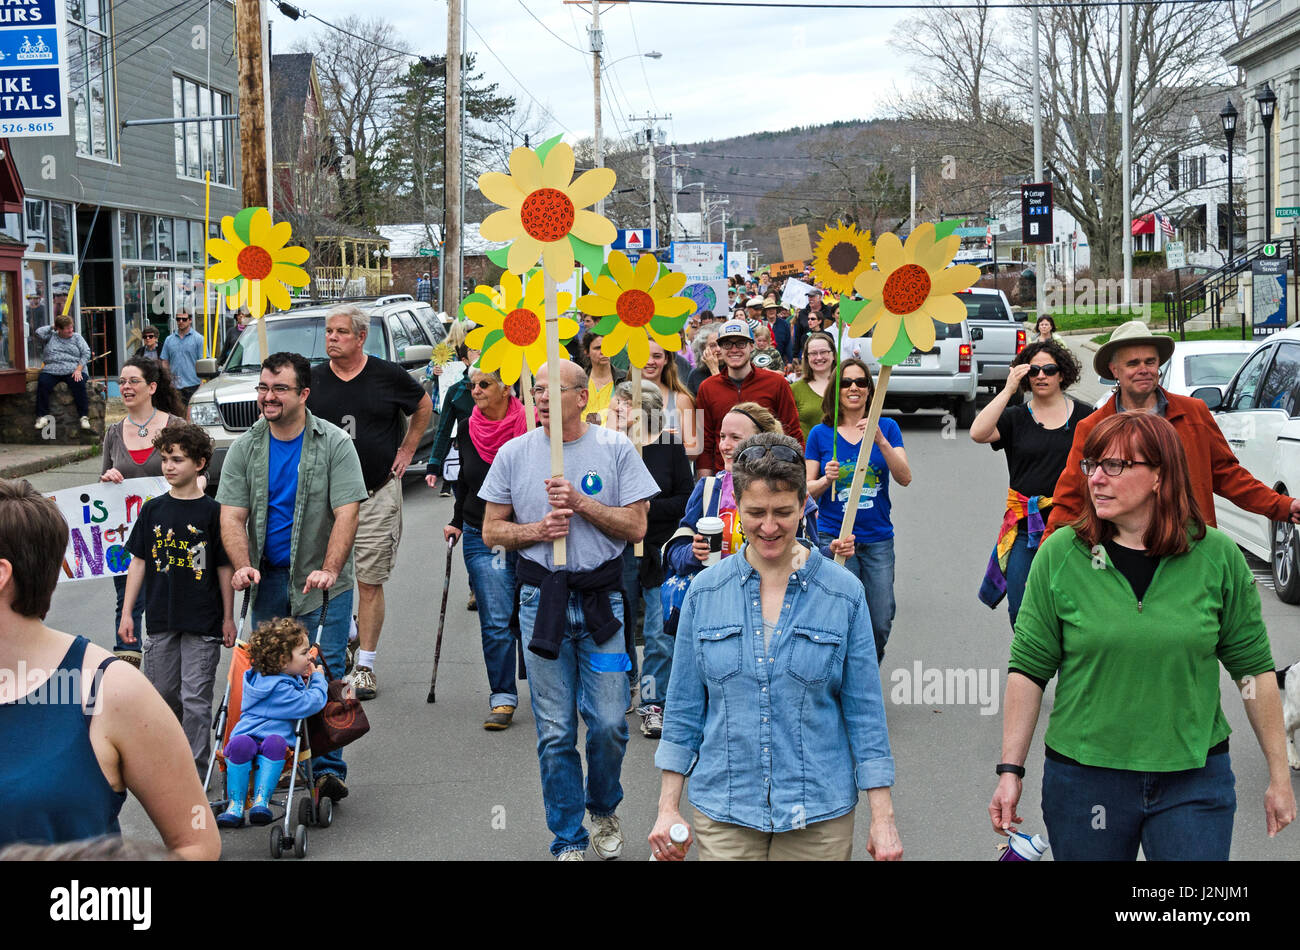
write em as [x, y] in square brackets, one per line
[711, 529]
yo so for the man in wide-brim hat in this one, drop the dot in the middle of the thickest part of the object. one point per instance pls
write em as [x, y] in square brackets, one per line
[1132, 357]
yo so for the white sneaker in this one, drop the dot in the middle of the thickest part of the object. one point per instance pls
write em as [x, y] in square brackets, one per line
[571, 855]
[607, 838]
[85, 422]
[43, 421]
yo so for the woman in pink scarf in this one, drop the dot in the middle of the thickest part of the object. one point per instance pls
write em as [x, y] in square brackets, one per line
[495, 418]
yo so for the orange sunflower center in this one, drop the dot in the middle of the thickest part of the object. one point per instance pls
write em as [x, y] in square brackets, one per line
[547, 214]
[906, 289]
[636, 308]
[843, 258]
[255, 263]
[521, 327]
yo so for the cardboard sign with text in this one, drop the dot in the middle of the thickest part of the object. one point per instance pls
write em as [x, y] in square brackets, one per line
[795, 243]
[786, 268]
[99, 519]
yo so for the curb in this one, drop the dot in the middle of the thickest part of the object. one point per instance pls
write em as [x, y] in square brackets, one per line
[72, 454]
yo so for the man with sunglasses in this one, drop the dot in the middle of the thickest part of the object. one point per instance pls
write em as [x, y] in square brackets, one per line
[1133, 357]
[148, 348]
[742, 382]
[291, 490]
[181, 353]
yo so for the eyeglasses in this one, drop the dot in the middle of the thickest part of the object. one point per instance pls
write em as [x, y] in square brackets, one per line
[540, 391]
[484, 384]
[1112, 467]
[138, 381]
[1047, 369]
[731, 343]
[279, 389]
[782, 453]
[860, 382]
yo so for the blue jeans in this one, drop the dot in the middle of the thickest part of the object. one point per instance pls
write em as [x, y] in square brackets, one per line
[1096, 814]
[273, 601]
[872, 563]
[493, 583]
[1019, 560]
[45, 384]
[657, 663]
[586, 679]
[137, 616]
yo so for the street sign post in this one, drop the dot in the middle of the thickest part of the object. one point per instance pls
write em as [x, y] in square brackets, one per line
[1292, 212]
[1036, 213]
[1175, 254]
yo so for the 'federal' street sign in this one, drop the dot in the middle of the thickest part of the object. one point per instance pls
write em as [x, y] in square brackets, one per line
[1286, 212]
[33, 68]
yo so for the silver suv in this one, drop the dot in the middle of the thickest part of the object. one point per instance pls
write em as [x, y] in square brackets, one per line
[402, 330]
[943, 378]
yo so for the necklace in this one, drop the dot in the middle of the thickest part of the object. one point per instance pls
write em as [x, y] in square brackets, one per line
[143, 430]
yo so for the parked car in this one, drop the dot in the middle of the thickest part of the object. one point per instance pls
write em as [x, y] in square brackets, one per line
[943, 378]
[402, 329]
[1197, 364]
[1259, 415]
[997, 334]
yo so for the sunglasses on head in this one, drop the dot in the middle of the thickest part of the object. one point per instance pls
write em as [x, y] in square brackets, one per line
[782, 453]
[1047, 369]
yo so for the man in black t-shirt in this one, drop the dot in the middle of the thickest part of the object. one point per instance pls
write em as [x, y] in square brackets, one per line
[369, 399]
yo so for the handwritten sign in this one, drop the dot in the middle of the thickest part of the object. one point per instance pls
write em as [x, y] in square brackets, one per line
[100, 517]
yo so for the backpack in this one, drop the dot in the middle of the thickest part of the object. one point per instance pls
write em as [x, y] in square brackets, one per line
[672, 593]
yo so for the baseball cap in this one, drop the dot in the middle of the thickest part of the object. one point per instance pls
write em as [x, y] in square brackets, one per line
[737, 328]
[754, 302]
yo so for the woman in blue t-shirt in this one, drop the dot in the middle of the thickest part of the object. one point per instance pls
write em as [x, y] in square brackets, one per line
[831, 458]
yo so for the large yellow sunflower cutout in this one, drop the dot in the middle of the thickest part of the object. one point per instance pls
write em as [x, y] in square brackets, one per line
[543, 209]
[515, 331]
[255, 261]
[636, 305]
[913, 287]
[843, 252]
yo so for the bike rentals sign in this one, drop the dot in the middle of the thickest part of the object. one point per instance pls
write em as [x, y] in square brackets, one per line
[33, 68]
[100, 518]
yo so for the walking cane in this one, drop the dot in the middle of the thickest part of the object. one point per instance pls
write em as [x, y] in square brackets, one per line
[442, 622]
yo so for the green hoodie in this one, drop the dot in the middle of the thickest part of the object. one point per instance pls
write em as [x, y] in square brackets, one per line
[1139, 680]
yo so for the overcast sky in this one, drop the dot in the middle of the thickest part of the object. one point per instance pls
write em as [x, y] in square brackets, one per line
[723, 72]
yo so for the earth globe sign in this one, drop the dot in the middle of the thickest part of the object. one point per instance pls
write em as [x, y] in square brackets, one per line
[117, 558]
[704, 296]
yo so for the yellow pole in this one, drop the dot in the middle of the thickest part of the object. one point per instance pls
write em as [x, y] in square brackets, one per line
[207, 216]
[72, 292]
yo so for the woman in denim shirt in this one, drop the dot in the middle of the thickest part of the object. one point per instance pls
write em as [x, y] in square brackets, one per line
[774, 707]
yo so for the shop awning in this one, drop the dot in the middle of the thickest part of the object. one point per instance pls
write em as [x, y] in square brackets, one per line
[1144, 225]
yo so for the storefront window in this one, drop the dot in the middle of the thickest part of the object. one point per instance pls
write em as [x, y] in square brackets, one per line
[36, 306]
[130, 236]
[147, 251]
[165, 239]
[133, 309]
[37, 226]
[8, 345]
[160, 295]
[60, 228]
[198, 252]
[182, 240]
[11, 225]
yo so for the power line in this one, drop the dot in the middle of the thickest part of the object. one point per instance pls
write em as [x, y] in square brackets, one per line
[972, 5]
[516, 78]
[641, 56]
[549, 30]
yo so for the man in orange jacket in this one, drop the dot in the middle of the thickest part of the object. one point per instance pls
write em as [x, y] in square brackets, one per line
[1133, 357]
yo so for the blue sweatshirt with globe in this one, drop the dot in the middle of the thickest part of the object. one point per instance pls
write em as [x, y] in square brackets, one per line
[274, 701]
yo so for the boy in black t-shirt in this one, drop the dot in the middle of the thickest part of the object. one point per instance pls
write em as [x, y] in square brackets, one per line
[176, 554]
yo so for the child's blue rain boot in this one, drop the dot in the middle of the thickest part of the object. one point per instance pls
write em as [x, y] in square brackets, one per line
[237, 792]
[268, 775]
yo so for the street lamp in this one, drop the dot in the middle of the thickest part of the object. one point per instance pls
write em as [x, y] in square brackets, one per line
[1267, 100]
[1228, 118]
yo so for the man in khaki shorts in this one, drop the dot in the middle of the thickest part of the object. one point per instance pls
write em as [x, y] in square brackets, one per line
[369, 398]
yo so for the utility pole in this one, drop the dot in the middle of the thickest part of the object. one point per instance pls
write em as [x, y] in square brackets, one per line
[1125, 164]
[1040, 259]
[648, 167]
[911, 220]
[672, 221]
[452, 156]
[254, 129]
[597, 45]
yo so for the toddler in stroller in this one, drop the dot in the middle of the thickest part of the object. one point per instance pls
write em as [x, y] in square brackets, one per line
[284, 685]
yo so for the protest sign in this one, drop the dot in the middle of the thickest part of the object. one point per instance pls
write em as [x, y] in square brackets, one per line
[99, 519]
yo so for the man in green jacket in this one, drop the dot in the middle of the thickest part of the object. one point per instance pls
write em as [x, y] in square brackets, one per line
[291, 489]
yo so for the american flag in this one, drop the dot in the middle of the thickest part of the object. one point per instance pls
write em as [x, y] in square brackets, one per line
[1165, 224]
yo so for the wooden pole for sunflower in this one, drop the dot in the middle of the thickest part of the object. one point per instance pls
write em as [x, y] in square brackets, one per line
[554, 382]
[637, 431]
[526, 385]
[864, 459]
[262, 345]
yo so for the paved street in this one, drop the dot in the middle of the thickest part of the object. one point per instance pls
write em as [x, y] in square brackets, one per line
[429, 782]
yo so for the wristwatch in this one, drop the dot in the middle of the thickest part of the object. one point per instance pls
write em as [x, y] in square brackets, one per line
[1016, 770]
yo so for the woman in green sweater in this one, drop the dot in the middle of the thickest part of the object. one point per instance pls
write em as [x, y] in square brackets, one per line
[1134, 607]
[816, 374]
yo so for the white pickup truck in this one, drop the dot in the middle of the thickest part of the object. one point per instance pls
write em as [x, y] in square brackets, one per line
[997, 334]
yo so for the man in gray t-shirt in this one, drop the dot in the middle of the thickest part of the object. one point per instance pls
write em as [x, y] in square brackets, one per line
[600, 506]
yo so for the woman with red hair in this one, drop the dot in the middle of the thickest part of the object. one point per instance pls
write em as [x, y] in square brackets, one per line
[1134, 607]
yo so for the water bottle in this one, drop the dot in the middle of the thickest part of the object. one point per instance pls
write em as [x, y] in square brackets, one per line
[1023, 847]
